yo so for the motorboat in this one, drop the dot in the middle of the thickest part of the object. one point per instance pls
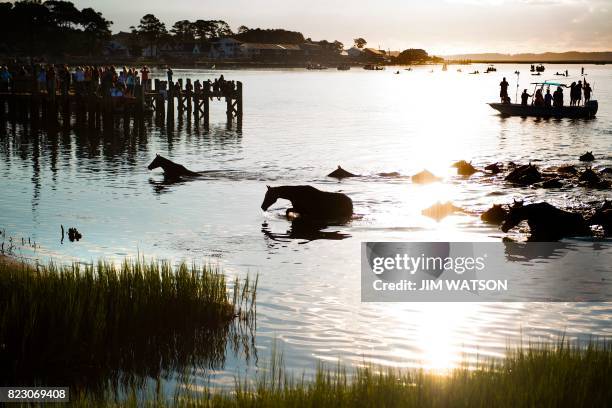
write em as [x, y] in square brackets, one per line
[587, 111]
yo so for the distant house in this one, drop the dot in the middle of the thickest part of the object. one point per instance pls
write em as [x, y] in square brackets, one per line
[151, 51]
[180, 50]
[311, 51]
[118, 45]
[258, 51]
[226, 47]
[374, 55]
[355, 52]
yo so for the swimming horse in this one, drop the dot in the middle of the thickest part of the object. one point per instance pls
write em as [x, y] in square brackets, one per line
[310, 202]
[171, 169]
[546, 222]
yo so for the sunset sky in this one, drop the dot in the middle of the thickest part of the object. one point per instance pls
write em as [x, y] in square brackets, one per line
[441, 26]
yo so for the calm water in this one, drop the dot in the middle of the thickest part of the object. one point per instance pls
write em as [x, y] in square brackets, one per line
[298, 126]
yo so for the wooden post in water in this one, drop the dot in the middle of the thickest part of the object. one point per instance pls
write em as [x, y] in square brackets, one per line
[179, 96]
[206, 100]
[140, 103]
[229, 111]
[239, 103]
[189, 97]
[196, 110]
[170, 96]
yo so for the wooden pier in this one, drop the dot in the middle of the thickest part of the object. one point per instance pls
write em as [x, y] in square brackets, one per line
[159, 98]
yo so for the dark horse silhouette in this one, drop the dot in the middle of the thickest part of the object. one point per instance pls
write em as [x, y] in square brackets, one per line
[309, 202]
[171, 169]
[603, 217]
[546, 222]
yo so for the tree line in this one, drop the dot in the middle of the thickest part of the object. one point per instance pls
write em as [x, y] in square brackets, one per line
[54, 27]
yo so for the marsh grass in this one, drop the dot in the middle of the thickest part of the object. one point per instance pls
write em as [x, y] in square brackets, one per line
[565, 374]
[100, 326]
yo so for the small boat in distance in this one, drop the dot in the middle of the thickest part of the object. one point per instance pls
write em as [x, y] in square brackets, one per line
[315, 66]
[372, 67]
[490, 68]
[538, 68]
[344, 67]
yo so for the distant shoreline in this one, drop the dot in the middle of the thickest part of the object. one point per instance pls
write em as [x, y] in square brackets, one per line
[234, 64]
[556, 62]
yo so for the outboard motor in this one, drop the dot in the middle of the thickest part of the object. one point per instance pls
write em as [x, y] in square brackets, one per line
[591, 107]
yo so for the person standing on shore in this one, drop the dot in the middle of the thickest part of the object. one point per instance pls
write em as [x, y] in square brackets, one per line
[5, 79]
[144, 73]
[169, 74]
[130, 81]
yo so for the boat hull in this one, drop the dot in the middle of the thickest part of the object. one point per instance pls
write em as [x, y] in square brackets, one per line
[513, 109]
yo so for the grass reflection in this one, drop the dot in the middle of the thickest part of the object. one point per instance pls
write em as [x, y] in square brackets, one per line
[100, 327]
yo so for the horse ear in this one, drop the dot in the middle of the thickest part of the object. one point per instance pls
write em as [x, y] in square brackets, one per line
[269, 187]
[156, 154]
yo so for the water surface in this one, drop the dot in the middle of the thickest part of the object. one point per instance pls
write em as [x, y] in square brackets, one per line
[298, 126]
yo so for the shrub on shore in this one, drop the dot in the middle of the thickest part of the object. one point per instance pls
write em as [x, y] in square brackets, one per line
[92, 326]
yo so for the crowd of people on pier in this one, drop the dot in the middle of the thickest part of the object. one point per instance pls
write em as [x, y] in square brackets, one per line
[99, 80]
[554, 100]
[82, 80]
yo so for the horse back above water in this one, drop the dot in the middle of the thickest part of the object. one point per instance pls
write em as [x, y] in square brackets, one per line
[311, 202]
[546, 222]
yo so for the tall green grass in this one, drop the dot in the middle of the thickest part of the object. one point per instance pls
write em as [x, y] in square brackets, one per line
[541, 375]
[96, 326]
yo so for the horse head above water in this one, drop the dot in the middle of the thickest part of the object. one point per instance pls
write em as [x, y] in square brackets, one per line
[157, 162]
[171, 169]
[270, 198]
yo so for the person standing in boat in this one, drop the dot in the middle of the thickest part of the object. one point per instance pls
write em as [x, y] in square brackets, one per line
[503, 93]
[558, 98]
[525, 97]
[548, 99]
[539, 98]
[572, 94]
[578, 90]
[587, 91]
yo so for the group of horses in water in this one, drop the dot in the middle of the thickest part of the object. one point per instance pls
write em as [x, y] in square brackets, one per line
[546, 222]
